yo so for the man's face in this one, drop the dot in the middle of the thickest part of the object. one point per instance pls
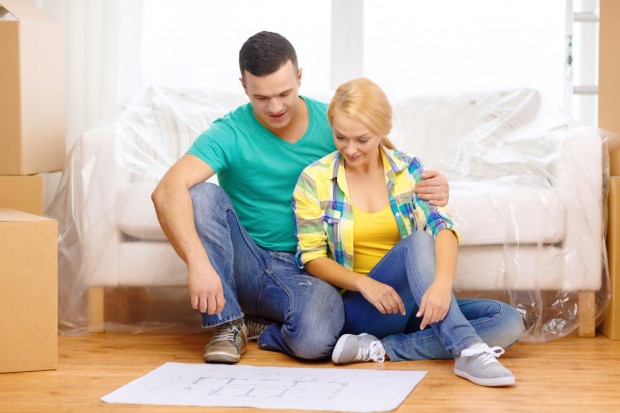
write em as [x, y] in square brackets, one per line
[274, 97]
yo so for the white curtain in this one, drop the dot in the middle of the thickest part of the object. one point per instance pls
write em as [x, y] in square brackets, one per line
[102, 56]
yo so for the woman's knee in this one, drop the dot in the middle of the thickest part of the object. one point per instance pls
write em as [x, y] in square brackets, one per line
[512, 325]
[420, 258]
[420, 245]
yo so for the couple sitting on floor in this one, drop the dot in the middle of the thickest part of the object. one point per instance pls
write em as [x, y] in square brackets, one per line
[360, 268]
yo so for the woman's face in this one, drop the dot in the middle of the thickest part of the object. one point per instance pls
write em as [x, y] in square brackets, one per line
[354, 141]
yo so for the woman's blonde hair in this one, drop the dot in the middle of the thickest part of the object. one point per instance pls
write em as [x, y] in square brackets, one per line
[363, 100]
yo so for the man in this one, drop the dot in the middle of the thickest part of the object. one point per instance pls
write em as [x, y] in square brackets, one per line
[238, 239]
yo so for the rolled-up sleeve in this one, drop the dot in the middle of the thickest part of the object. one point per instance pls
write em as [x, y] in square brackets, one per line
[432, 219]
[309, 229]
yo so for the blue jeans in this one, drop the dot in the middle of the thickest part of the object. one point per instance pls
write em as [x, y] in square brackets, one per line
[409, 267]
[308, 312]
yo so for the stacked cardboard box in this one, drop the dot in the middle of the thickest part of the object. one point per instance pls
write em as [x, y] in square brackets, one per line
[608, 111]
[32, 102]
[610, 326]
[32, 147]
[29, 285]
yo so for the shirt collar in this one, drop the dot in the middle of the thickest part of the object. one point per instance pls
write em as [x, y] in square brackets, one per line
[392, 164]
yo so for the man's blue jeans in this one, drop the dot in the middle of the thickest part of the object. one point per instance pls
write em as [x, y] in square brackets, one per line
[409, 268]
[308, 312]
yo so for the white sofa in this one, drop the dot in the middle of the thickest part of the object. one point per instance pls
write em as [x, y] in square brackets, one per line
[526, 193]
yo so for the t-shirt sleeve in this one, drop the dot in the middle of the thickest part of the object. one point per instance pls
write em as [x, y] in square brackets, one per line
[214, 146]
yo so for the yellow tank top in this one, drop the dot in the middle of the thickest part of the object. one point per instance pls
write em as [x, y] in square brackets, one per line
[374, 234]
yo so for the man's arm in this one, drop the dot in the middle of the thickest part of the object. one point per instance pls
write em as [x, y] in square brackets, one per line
[433, 188]
[175, 212]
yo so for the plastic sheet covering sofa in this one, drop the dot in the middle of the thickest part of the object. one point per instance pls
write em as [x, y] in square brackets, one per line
[527, 190]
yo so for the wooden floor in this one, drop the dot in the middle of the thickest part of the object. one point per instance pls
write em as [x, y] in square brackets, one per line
[567, 375]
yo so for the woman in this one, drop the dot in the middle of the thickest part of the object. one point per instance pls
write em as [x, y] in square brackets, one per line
[360, 227]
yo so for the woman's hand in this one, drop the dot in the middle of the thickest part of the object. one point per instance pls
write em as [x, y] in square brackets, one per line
[435, 304]
[382, 296]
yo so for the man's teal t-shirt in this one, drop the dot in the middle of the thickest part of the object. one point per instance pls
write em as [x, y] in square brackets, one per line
[259, 171]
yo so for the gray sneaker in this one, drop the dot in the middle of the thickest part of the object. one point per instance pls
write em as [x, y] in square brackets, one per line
[478, 364]
[351, 348]
[256, 326]
[228, 343]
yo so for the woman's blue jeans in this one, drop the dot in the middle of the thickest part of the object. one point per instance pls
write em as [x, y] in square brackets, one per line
[308, 312]
[410, 269]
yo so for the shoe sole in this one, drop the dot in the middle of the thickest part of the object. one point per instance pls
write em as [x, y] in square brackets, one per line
[497, 382]
[223, 357]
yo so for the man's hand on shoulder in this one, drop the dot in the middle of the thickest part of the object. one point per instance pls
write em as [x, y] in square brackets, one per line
[433, 188]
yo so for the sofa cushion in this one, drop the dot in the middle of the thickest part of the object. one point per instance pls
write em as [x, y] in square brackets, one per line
[485, 213]
[497, 213]
[135, 212]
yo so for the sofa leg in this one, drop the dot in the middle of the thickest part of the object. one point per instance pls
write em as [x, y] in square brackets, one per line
[587, 314]
[96, 301]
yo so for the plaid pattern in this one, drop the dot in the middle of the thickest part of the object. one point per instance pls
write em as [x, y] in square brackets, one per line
[324, 216]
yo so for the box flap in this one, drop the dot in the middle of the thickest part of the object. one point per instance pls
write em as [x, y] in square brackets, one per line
[6, 16]
[12, 215]
[23, 11]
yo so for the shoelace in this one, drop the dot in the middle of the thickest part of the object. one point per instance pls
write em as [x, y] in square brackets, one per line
[255, 328]
[226, 332]
[484, 352]
[374, 352]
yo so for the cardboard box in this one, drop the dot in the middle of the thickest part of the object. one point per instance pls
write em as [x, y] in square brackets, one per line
[608, 80]
[29, 193]
[32, 81]
[610, 326]
[24, 193]
[29, 285]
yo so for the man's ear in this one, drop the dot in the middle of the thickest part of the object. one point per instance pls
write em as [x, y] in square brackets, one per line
[299, 73]
[245, 87]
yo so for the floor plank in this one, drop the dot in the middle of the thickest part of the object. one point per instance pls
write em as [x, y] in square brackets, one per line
[567, 375]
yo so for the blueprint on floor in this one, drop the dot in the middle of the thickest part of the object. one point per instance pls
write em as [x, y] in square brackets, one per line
[336, 389]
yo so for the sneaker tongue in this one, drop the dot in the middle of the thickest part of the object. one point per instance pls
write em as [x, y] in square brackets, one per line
[226, 333]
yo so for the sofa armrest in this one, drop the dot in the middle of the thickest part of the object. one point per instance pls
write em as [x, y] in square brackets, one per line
[579, 182]
[98, 182]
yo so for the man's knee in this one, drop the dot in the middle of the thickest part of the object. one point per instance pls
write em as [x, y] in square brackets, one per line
[318, 326]
[206, 193]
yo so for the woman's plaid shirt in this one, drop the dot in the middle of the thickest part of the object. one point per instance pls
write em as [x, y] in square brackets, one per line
[324, 216]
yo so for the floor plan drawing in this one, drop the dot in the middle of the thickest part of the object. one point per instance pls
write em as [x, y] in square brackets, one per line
[339, 389]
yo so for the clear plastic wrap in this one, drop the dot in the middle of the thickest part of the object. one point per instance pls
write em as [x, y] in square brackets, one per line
[528, 186]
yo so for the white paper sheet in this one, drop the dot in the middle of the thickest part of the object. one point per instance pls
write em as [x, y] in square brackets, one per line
[338, 389]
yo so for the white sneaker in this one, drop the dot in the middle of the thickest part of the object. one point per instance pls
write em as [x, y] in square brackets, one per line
[479, 365]
[351, 348]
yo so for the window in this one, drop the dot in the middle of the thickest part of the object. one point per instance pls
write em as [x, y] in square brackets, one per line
[196, 43]
[447, 46]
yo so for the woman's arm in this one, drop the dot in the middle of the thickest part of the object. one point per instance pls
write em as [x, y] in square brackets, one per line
[436, 300]
[382, 296]
[312, 249]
